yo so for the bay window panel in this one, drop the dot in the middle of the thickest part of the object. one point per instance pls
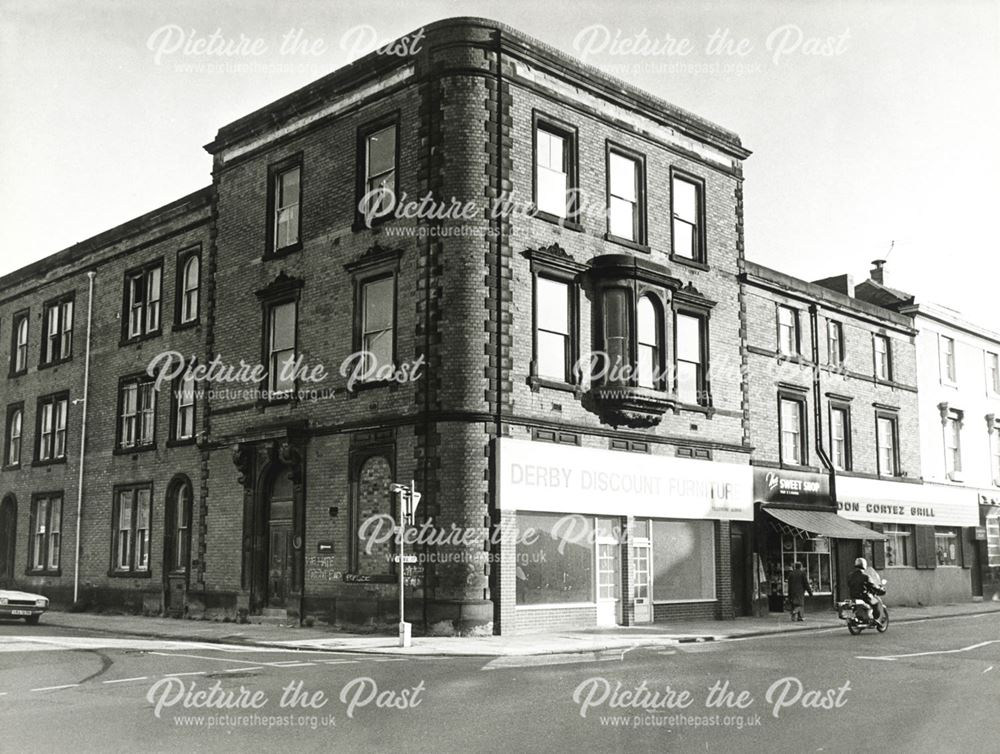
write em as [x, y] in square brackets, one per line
[616, 330]
[648, 343]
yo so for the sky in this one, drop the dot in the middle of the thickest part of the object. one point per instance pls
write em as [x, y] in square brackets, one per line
[870, 122]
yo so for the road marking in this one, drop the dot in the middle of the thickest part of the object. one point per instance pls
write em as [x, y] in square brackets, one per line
[388, 659]
[339, 662]
[195, 672]
[988, 669]
[934, 652]
[290, 664]
[4, 693]
[56, 688]
[128, 680]
[240, 670]
[199, 657]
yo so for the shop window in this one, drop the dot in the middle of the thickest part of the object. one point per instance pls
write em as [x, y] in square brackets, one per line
[947, 546]
[683, 564]
[814, 555]
[900, 546]
[554, 565]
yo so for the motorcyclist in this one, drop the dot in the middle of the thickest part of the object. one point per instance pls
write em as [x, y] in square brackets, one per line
[863, 588]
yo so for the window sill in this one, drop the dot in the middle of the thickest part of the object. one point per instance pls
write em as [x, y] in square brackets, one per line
[50, 462]
[634, 245]
[361, 224]
[799, 467]
[129, 574]
[539, 382]
[688, 262]
[42, 572]
[11, 467]
[134, 450]
[695, 408]
[139, 339]
[57, 362]
[13, 375]
[182, 442]
[372, 385]
[181, 326]
[563, 222]
[284, 251]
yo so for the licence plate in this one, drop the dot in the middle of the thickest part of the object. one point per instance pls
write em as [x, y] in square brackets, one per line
[20, 612]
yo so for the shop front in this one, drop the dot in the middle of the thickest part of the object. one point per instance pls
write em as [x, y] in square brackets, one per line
[603, 538]
[988, 546]
[797, 523]
[930, 551]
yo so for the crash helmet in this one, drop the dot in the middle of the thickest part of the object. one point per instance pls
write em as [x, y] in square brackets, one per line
[861, 563]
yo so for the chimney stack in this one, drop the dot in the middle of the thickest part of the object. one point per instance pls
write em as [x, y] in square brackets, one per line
[877, 272]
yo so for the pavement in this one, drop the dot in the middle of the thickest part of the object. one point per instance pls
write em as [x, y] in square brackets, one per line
[550, 643]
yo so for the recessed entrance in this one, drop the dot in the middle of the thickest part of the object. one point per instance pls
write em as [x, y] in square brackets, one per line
[8, 539]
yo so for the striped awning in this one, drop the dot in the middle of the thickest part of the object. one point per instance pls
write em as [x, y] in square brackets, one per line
[802, 523]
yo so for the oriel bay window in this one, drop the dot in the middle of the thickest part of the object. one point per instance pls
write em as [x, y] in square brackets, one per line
[57, 331]
[555, 178]
[142, 301]
[51, 428]
[649, 342]
[136, 413]
[132, 515]
[626, 195]
[46, 534]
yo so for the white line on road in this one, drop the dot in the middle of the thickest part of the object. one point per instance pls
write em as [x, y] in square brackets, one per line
[195, 672]
[56, 688]
[290, 664]
[339, 662]
[934, 652]
[389, 659]
[240, 670]
[200, 657]
[128, 680]
[988, 669]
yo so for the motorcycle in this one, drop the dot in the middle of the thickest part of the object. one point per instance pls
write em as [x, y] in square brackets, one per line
[860, 615]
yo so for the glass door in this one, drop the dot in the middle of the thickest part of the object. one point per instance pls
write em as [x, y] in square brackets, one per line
[608, 573]
[642, 605]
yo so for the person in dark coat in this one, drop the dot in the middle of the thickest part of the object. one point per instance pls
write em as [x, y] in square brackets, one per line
[798, 586]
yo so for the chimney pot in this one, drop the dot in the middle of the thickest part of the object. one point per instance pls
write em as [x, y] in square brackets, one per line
[877, 272]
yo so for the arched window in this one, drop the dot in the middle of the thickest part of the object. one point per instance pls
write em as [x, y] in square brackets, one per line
[371, 499]
[648, 343]
[190, 280]
[14, 421]
[179, 526]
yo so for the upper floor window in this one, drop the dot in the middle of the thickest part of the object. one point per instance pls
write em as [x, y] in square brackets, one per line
[188, 287]
[834, 342]
[840, 437]
[52, 414]
[137, 413]
[626, 185]
[46, 534]
[993, 372]
[555, 170]
[788, 331]
[378, 155]
[19, 344]
[378, 299]
[132, 514]
[553, 328]
[184, 407]
[686, 203]
[57, 330]
[882, 357]
[947, 359]
[995, 453]
[953, 442]
[142, 300]
[887, 449]
[282, 320]
[648, 342]
[792, 434]
[286, 193]
[689, 333]
[12, 446]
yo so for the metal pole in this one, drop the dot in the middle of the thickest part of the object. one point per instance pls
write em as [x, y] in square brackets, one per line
[83, 436]
[402, 523]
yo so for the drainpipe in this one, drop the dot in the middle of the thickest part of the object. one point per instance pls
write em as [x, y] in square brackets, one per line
[818, 401]
[83, 434]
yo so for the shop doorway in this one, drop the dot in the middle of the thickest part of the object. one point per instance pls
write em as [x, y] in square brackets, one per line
[742, 569]
[848, 550]
[8, 539]
[642, 604]
[608, 573]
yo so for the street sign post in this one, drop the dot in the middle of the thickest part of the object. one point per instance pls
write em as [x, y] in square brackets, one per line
[408, 501]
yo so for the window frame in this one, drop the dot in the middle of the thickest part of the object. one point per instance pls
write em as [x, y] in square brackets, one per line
[176, 385]
[801, 401]
[47, 568]
[364, 132]
[274, 172]
[992, 375]
[145, 333]
[640, 242]
[179, 536]
[837, 359]
[17, 347]
[130, 571]
[700, 260]
[796, 330]
[658, 346]
[893, 419]
[139, 379]
[845, 409]
[58, 304]
[910, 551]
[268, 394]
[949, 532]
[947, 367]
[704, 389]
[13, 408]
[184, 257]
[573, 324]
[361, 288]
[953, 421]
[571, 159]
[882, 338]
[53, 399]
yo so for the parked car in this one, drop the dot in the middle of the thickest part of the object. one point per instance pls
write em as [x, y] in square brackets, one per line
[22, 605]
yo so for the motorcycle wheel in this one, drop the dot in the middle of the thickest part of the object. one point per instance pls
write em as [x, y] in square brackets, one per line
[883, 626]
[854, 628]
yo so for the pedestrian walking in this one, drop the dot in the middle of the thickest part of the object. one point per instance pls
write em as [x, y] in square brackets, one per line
[798, 586]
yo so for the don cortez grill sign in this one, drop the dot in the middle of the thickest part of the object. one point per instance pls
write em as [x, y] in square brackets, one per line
[548, 478]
